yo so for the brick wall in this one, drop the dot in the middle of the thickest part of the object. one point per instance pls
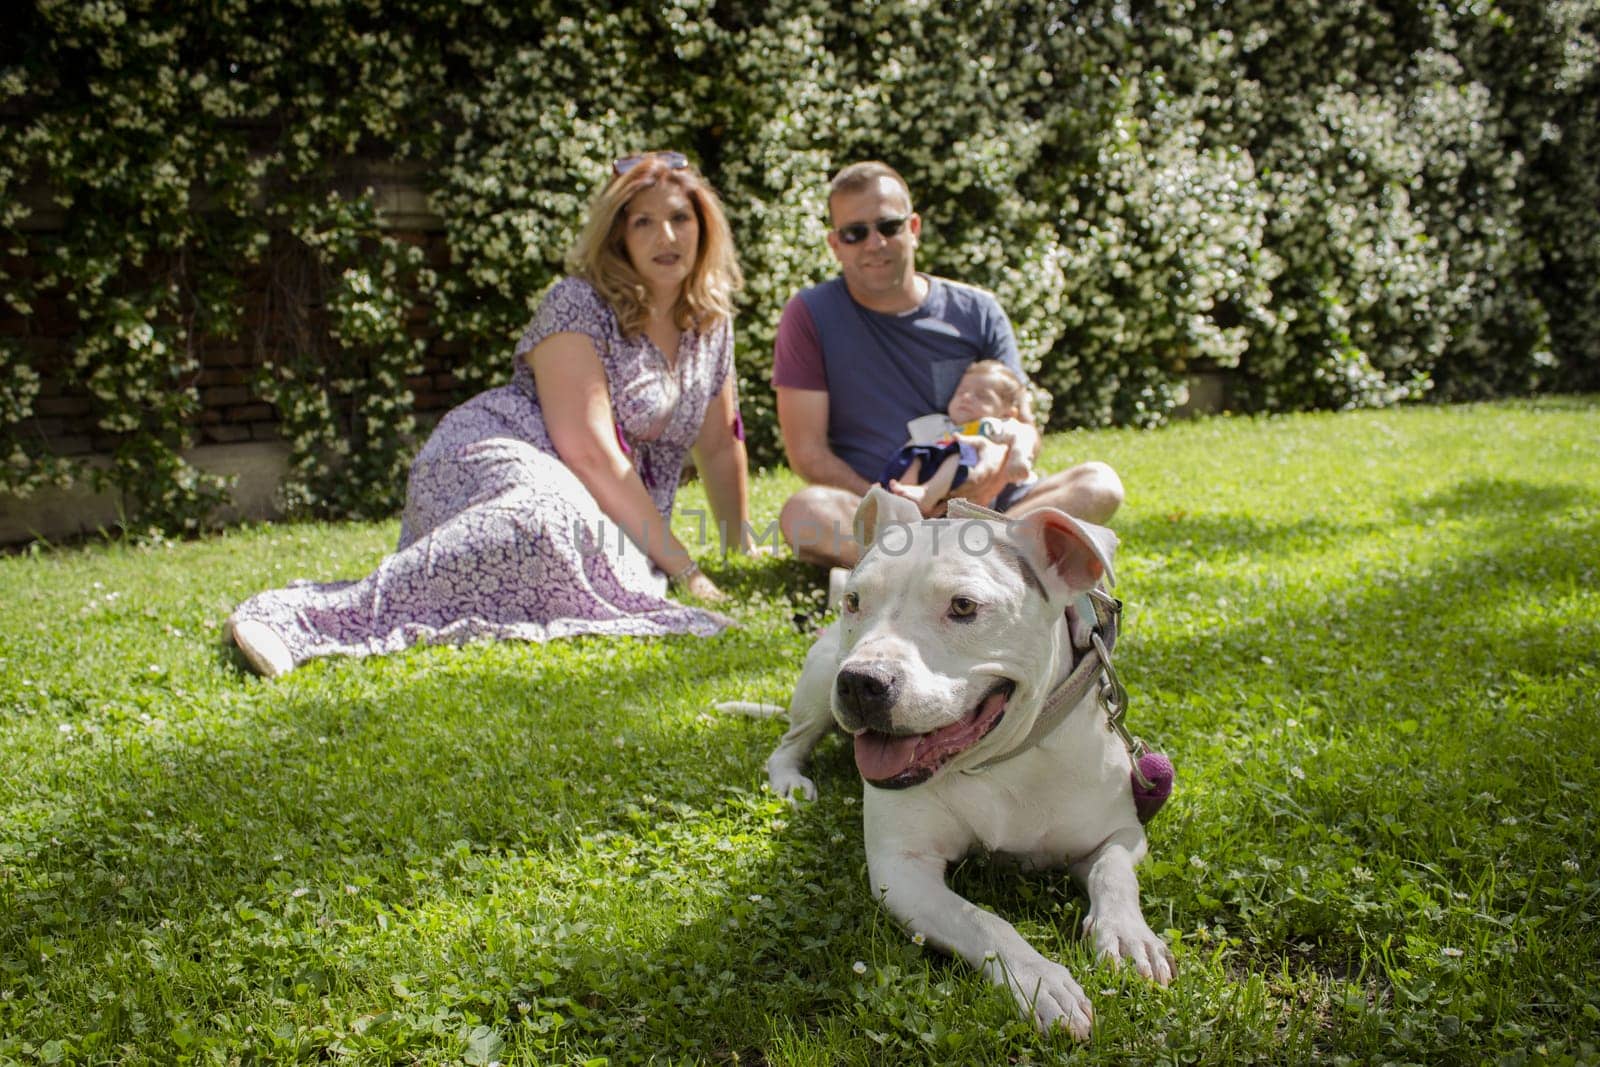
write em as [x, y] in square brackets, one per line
[236, 432]
[65, 413]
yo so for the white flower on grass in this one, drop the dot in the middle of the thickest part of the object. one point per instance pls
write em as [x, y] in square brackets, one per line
[1453, 953]
[755, 898]
[300, 892]
[919, 938]
[1570, 865]
[1360, 874]
[1297, 772]
[859, 967]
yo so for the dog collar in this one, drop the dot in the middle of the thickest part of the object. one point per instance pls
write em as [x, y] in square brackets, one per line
[1091, 634]
[1152, 772]
[1092, 664]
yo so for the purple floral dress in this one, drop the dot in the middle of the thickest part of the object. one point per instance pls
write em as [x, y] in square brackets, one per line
[499, 539]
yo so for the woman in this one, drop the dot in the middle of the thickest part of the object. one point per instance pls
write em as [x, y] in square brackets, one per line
[516, 506]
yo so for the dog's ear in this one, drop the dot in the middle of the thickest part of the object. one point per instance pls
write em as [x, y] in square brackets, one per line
[1072, 554]
[880, 509]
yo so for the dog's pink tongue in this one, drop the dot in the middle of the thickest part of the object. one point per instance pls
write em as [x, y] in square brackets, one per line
[881, 756]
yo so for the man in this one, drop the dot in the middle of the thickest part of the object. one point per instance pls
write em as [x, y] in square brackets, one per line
[859, 356]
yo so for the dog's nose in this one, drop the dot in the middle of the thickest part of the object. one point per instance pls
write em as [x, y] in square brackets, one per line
[867, 694]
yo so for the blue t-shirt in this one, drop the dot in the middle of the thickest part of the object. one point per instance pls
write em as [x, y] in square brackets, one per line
[881, 371]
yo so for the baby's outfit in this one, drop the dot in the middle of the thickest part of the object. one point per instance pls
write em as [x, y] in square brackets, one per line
[934, 438]
[934, 452]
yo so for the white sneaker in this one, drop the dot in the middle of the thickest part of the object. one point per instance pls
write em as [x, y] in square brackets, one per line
[837, 576]
[264, 649]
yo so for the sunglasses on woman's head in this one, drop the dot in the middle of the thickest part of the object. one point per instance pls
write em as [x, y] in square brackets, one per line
[673, 160]
[856, 232]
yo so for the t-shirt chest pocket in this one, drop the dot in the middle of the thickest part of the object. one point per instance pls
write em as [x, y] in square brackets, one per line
[945, 375]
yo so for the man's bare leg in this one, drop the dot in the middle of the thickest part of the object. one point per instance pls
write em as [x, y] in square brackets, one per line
[818, 523]
[1090, 491]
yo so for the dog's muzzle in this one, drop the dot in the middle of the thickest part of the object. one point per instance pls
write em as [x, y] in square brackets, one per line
[897, 761]
[865, 694]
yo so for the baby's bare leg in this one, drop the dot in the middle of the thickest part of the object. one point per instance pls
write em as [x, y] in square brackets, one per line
[931, 493]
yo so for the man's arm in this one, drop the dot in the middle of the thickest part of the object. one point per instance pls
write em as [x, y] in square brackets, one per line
[1000, 342]
[803, 421]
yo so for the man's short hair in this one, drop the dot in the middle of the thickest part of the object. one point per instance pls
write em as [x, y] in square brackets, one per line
[858, 176]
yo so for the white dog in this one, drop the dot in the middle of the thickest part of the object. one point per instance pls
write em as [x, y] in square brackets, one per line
[947, 666]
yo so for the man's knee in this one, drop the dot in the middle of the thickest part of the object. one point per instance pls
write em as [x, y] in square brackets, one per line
[815, 523]
[796, 516]
[1098, 492]
[1090, 491]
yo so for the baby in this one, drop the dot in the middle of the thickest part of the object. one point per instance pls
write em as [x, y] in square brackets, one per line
[988, 411]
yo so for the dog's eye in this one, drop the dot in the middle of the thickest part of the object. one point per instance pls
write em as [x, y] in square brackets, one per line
[963, 607]
[852, 602]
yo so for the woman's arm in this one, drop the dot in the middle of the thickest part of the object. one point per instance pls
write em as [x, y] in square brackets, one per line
[571, 383]
[720, 457]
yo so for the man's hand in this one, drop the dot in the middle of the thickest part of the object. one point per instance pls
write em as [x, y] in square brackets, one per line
[989, 474]
[1017, 468]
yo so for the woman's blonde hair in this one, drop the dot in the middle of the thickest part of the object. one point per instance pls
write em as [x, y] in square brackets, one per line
[600, 256]
[1016, 390]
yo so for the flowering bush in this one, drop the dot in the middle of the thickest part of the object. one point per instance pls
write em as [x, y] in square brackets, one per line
[1366, 206]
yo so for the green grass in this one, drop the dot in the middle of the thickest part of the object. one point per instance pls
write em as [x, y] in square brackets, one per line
[1369, 641]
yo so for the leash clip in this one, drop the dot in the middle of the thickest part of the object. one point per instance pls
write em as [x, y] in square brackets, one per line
[1114, 699]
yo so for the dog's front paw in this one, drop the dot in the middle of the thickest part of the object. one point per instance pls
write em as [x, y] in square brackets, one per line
[1046, 992]
[1129, 937]
[790, 784]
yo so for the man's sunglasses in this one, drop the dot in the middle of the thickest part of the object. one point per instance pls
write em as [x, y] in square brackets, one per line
[856, 232]
[673, 160]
